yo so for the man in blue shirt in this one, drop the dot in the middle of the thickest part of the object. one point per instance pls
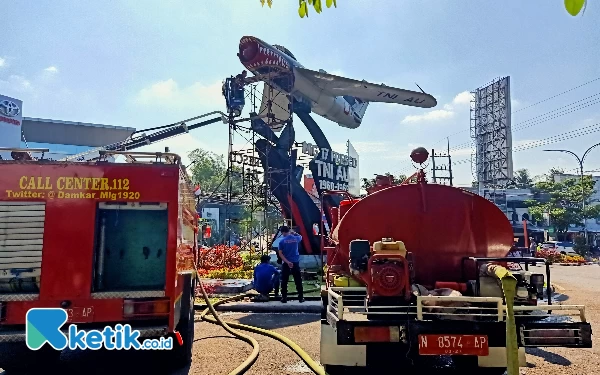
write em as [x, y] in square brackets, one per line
[288, 252]
[266, 278]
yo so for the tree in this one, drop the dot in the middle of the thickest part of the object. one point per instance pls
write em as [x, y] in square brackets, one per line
[208, 171]
[575, 6]
[572, 6]
[580, 246]
[303, 6]
[564, 201]
[370, 182]
[522, 179]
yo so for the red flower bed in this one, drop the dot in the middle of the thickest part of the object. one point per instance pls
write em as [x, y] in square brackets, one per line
[551, 255]
[219, 257]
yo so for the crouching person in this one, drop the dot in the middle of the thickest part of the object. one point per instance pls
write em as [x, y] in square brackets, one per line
[266, 279]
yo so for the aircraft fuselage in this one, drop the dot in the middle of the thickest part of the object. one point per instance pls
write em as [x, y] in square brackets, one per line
[262, 58]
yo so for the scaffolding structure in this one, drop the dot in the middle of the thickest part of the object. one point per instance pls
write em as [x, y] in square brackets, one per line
[490, 128]
[252, 212]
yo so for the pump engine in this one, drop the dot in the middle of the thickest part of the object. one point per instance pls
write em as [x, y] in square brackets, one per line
[384, 267]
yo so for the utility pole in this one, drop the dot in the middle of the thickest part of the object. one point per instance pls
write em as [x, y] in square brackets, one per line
[442, 168]
[581, 160]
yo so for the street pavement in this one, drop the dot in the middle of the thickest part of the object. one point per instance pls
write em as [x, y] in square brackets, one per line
[217, 353]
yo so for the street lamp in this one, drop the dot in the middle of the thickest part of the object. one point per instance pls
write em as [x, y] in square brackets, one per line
[581, 160]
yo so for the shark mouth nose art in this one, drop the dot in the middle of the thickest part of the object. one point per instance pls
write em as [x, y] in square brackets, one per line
[255, 55]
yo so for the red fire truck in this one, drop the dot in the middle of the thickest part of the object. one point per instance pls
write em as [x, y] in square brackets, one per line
[108, 242]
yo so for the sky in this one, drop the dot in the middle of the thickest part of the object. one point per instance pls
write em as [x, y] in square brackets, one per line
[146, 64]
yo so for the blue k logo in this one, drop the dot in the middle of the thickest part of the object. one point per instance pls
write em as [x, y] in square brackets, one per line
[43, 325]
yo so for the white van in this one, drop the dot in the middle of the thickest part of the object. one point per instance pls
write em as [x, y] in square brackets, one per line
[562, 247]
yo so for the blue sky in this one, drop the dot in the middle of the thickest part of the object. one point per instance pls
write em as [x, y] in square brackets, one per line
[145, 64]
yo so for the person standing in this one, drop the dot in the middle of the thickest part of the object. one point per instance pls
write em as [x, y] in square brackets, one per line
[532, 247]
[288, 252]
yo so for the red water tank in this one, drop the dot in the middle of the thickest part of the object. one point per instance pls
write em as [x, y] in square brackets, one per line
[439, 225]
[345, 205]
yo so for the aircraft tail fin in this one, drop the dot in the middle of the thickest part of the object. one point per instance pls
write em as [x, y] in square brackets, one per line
[360, 107]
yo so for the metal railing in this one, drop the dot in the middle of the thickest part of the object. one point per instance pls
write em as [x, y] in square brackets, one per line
[346, 302]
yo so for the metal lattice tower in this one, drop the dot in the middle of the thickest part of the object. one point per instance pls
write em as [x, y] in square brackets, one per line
[446, 169]
[246, 184]
[491, 131]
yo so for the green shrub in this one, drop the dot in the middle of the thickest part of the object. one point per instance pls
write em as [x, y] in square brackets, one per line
[230, 273]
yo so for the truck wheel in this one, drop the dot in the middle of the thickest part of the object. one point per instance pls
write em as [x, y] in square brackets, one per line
[181, 355]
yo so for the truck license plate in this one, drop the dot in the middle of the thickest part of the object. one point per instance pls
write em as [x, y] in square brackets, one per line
[80, 314]
[453, 345]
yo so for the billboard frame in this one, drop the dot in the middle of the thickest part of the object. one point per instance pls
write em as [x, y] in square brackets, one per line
[490, 126]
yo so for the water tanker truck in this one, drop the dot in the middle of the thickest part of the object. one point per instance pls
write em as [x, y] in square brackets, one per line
[417, 272]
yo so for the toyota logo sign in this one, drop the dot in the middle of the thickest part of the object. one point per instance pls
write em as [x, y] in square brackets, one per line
[9, 108]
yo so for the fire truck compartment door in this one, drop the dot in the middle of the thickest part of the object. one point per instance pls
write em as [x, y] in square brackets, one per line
[132, 247]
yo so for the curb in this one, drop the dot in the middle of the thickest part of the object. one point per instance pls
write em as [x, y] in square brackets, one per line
[576, 264]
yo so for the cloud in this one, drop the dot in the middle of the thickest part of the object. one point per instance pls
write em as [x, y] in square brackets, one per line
[16, 83]
[461, 99]
[2, 62]
[168, 94]
[435, 115]
[51, 70]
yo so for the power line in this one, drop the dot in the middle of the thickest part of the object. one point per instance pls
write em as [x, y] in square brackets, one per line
[550, 140]
[557, 95]
[541, 142]
[541, 119]
[529, 106]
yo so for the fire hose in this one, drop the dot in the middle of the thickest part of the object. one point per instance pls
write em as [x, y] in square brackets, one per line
[509, 285]
[244, 366]
[507, 280]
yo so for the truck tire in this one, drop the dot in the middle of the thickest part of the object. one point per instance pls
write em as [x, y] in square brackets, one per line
[181, 355]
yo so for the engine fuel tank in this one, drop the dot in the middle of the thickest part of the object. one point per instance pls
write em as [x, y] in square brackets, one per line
[439, 225]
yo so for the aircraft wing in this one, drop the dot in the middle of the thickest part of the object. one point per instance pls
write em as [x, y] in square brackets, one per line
[370, 92]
